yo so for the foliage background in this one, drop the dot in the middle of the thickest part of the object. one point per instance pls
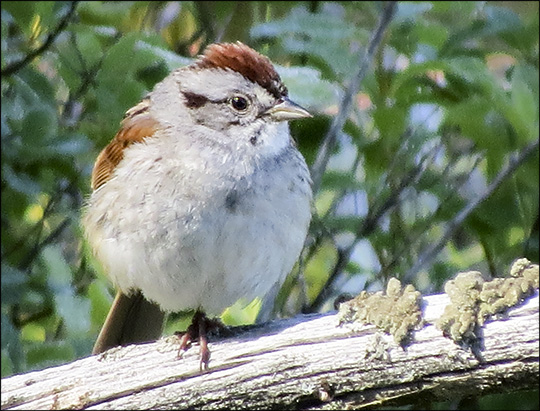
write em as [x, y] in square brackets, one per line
[448, 98]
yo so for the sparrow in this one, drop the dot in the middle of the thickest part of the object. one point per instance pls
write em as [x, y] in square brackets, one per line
[201, 199]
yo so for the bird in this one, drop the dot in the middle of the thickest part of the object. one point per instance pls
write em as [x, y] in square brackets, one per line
[201, 199]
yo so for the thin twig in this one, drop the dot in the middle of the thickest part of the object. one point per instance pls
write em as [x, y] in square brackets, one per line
[400, 256]
[319, 166]
[30, 257]
[205, 15]
[368, 226]
[14, 67]
[87, 75]
[431, 252]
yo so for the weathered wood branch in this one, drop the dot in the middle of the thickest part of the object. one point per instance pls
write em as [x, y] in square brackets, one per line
[307, 362]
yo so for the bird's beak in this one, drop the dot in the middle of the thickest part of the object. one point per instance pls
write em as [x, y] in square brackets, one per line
[285, 110]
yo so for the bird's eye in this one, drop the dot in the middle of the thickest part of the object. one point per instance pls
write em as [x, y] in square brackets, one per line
[239, 103]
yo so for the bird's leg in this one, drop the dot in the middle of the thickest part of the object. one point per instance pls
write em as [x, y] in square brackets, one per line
[197, 330]
[203, 342]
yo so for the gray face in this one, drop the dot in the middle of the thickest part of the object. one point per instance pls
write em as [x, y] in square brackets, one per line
[223, 100]
[233, 107]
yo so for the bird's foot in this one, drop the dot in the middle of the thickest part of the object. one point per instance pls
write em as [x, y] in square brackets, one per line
[198, 330]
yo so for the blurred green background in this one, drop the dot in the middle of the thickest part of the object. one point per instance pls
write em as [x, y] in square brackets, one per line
[450, 96]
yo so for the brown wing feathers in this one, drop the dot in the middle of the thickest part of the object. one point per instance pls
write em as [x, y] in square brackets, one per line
[136, 126]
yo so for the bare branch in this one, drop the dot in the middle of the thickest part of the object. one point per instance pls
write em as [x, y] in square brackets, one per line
[16, 66]
[53, 236]
[369, 224]
[431, 252]
[323, 155]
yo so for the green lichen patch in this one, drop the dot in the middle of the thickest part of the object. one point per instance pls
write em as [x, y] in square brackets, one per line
[397, 311]
[502, 293]
[460, 318]
[473, 300]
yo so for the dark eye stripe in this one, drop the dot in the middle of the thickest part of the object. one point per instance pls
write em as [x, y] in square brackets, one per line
[194, 100]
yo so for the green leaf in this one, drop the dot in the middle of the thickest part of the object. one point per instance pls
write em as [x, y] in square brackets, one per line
[346, 223]
[104, 14]
[335, 179]
[50, 13]
[432, 34]
[317, 269]
[13, 282]
[129, 54]
[38, 126]
[302, 22]
[524, 116]
[100, 300]
[470, 116]
[8, 367]
[118, 86]
[411, 11]
[22, 12]
[75, 311]
[172, 59]
[49, 353]
[307, 88]
[242, 312]
[11, 344]
[88, 46]
[390, 121]
[306, 33]
[71, 146]
[59, 275]
[501, 19]
[20, 182]
[39, 85]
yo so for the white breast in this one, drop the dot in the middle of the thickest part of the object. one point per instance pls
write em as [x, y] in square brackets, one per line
[192, 236]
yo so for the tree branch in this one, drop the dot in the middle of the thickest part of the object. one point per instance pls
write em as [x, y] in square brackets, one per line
[307, 362]
[323, 155]
[17, 65]
[375, 213]
[431, 252]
